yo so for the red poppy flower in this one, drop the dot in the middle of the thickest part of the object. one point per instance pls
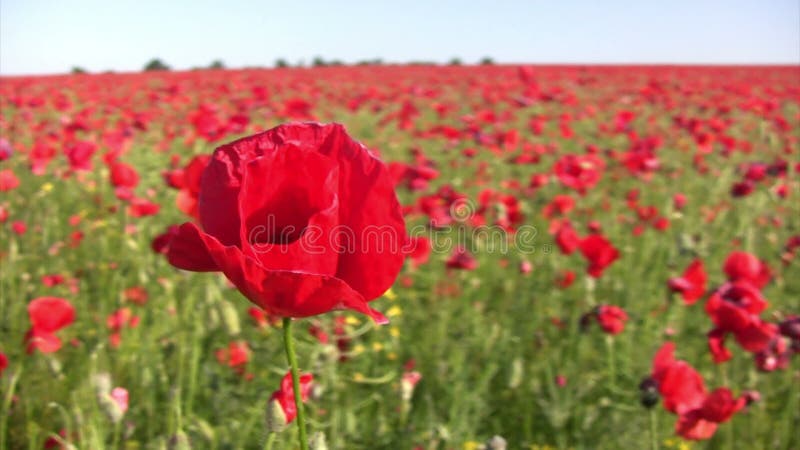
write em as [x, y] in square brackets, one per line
[565, 279]
[260, 318]
[567, 238]
[462, 259]
[123, 175]
[745, 266]
[19, 227]
[408, 382]
[679, 201]
[188, 181]
[325, 232]
[285, 395]
[140, 207]
[742, 188]
[692, 284]
[734, 306]
[680, 385]
[8, 181]
[3, 362]
[52, 280]
[776, 355]
[611, 318]
[560, 205]
[419, 250]
[235, 355]
[717, 407]
[118, 320]
[160, 243]
[47, 316]
[599, 252]
[79, 155]
[716, 343]
[579, 172]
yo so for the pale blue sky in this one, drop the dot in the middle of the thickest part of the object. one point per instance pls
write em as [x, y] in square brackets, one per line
[51, 36]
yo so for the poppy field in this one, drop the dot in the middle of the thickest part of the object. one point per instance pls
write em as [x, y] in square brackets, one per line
[454, 257]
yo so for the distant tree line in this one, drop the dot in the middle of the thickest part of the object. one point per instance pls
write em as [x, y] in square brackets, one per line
[156, 64]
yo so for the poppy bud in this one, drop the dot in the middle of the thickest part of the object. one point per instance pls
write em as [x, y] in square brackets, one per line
[751, 396]
[230, 318]
[276, 417]
[407, 384]
[516, 374]
[496, 443]
[110, 408]
[586, 321]
[317, 441]
[648, 395]
[101, 383]
[791, 328]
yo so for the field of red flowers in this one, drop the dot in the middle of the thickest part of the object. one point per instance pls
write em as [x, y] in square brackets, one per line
[580, 258]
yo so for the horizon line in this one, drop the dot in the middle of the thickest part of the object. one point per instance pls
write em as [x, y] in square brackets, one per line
[334, 63]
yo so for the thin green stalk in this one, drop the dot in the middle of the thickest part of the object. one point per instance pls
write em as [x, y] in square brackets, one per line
[292, 358]
[653, 429]
[6, 414]
[612, 370]
[116, 436]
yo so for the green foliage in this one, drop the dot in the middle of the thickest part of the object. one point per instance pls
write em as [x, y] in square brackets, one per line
[155, 64]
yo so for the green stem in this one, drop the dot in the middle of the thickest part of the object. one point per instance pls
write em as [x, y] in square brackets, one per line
[653, 429]
[298, 401]
[270, 441]
[6, 411]
[115, 439]
[612, 372]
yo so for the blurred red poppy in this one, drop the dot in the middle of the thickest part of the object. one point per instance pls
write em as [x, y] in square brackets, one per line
[285, 395]
[680, 385]
[717, 407]
[692, 284]
[611, 318]
[599, 252]
[579, 172]
[745, 266]
[47, 316]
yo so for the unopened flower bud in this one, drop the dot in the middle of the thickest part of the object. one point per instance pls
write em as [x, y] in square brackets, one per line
[516, 374]
[496, 443]
[101, 383]
[230, 318]
[317, 441]
[276, 416]
[751, 396]
[407, 385]
[110, 408]
[648, 392]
